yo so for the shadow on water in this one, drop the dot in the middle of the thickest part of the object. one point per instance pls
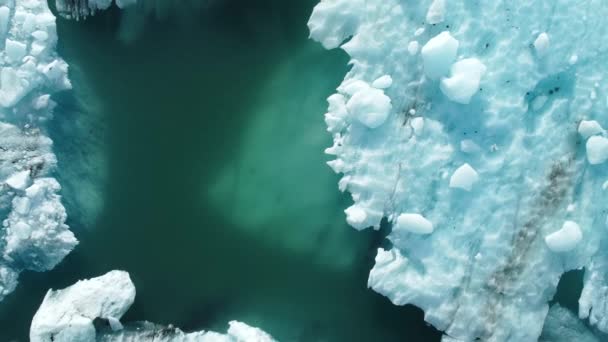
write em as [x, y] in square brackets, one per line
[175, 102]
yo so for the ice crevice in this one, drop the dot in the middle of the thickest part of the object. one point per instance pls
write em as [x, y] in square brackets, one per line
[495, 138]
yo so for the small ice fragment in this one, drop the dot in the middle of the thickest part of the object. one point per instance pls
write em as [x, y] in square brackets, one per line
[419, 31]
[436, 12]
[564, 239]
[469, 146]
[541, 44]
[573, 59]
[464, 177]
[115, 324]
[417, 124]
[605, 185]
[438, 54]
[413, 47]
[539, 102]
[356, 216]
[588, 128]
[19, 180]
[464, 81]
[597, 150]
[383, 82]
[413, 223]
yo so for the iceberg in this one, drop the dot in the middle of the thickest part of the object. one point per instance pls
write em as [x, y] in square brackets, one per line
[90, 310]
[510, 150]
[34, 235]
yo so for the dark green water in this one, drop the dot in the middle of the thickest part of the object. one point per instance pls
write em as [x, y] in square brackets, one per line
[192, 157]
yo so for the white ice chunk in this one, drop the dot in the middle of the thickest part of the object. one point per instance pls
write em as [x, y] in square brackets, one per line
[564, 239]
[541, 44]
[413, 223]
[242, 332]
[464, 178]
[413, 47]
[19, 180]
[383, 82]
[67, 315]
[438, 54]
[469, 146]
[356, 217]
[370, 106]
[15, 50]
[436, 12]
[464, 81]
[417, 124]
[597, 150]
[588, 128]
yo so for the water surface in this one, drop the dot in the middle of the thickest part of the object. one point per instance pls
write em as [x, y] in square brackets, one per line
[192, 157]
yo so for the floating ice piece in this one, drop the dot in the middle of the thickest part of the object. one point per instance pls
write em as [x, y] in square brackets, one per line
[438, 54]
[436, 12]
[589, 128]
[370, 106]
[413, 223]
[19, 180]
[541, 44]
[564, 239]
[464, 81]
[383, 82]
[67, 315]
[464, 178]
[597, 150]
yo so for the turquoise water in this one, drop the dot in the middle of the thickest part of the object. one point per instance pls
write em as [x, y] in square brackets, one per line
[191, 156]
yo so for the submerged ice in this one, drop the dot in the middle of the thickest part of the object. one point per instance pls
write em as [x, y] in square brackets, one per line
[33, 235]
[493, 140]
[90, 310]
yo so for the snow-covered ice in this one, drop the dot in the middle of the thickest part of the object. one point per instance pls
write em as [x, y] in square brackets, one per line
[486, 271]
[68, 315]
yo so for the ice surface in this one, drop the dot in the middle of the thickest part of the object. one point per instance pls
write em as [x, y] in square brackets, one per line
[562, 325]
[34, 235]
[69, 315]
[413, 223]
[485, 272]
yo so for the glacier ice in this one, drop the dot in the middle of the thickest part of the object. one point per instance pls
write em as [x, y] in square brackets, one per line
[71, 314]
[486, 271]
[34, 235]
